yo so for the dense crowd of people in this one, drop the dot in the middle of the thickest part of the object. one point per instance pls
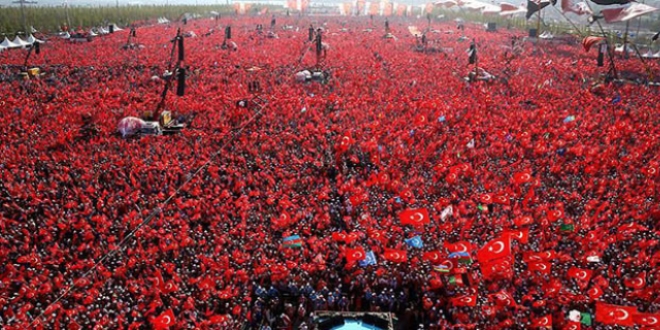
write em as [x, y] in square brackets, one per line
[453, 203]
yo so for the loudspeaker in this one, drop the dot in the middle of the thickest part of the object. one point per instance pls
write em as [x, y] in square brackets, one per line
[492, 27]
[228, 32]
[181, 83]
[133, 33]
[375, 321]
[331, 323]
[311, 33]
[111, 28]
[37, 48]
[601, 58]
[533, 33]
[181, 50]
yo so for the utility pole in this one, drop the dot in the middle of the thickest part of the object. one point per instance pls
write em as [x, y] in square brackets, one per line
[23, 20]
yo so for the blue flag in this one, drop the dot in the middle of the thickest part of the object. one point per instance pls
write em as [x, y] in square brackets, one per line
[369, 259]
[415, 242]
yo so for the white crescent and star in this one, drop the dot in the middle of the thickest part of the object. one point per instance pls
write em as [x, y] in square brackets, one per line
[345, 140]
[167, 319]
[620, 314]
[448, 264]
[638, 282]
[650, 320]
[499, 250]
[417, 217]
[462, 246]
[581, 274]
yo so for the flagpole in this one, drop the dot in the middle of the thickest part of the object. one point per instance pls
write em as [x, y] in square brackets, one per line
[625, 40]
[610, 52]
[538, 25]
[561, 12]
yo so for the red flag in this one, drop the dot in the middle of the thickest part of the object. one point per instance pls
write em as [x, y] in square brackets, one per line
[523, 221]
[495, 249]
[460, 246]
[433, 256]
[465, 301]
[338, 237]
[486, 199]
[580, 274]
[539, 256]
[595, 292]
[522, 177]
[415, 217]
[353, 255]
[647, 320]
[638, 282]
[520, 235]
[165, 320]
[395, 255]
[588, 42]
[555, 215]
[615, 315]
[345, 142]
[623, 14]
[500, 268]
[542, 267]
[544, 322]
[572, 325]
[504, 299]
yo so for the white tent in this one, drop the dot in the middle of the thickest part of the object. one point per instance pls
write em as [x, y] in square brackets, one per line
[8, 44]
[20, 42]
[92, 33]
[66, 35]
[116, 28]
[31, 40]
[102, 31]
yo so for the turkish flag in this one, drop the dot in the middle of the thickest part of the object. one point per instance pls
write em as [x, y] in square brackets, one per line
[414, 217]
[523, 221]
[539, 256]
[499, 268]
[465, 301]
[503, 299]
[344, 143]
[522, 178]
[520, 235]
[542, 267]
[433, 256]
[544, 322]
[379, 235]
[595, 292]
[395, 255]
[583, 276]
[647, 320]
[555, 215]
[356, 254]
[460, 246]
[164, 321]
[338, 237]
[486, 199]
[495, 249]
[638, 282]
[572, 325]
[615, 315]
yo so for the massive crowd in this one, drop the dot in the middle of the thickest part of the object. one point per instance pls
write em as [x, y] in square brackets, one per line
[455, 204]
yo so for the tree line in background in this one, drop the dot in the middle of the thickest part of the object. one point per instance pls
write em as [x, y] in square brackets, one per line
[52, 19]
